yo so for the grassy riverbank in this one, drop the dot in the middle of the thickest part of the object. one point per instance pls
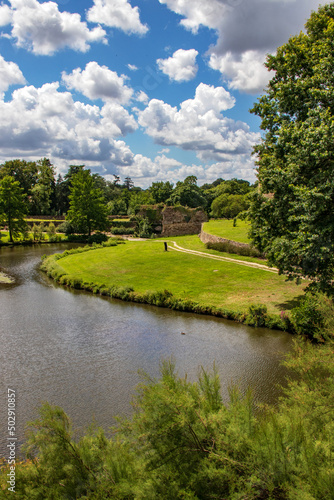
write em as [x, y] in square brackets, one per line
[5, 279]
[142, 271]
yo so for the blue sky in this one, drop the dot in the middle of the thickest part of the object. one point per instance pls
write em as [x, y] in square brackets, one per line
[151, 89]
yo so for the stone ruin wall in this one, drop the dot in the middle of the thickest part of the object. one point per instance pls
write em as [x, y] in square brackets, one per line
[182, 221]
[210, 238]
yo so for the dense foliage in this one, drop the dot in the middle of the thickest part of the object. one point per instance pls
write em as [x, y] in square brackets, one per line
[183, 442]
[12, 206]
[46, 195]
[87, 209]
[293, 213]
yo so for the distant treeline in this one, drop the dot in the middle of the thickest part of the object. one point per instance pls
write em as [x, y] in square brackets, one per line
[46, 194]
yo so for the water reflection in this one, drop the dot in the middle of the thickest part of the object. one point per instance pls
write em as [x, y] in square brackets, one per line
[83, 352]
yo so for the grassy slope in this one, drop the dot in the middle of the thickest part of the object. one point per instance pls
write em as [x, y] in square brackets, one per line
[145, 266]
[224, 228]
[192, 242]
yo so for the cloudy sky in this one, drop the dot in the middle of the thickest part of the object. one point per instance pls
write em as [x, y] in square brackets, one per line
[151, 89]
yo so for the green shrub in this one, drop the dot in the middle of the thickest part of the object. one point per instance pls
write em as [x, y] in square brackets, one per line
[97, 238]
[121, 223]
[314, 317]
[184, 442]
[229, 247]
[51, 230]
[122, 230]
[54, 239]
[37, 231]
[67, 228]
[257, 315]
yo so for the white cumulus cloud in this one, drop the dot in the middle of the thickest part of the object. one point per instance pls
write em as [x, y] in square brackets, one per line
[181, 67]
[199, 125]
[46, 122]
[117, 14]
[98, 82]
[247, 30]
[5, 15]
[43, 29]
[245, 72]
[10, 74]
[144, 170]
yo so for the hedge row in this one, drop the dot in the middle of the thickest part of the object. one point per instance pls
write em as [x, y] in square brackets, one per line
[229, 247]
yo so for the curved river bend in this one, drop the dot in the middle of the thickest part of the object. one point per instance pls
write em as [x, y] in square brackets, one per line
[83, 352]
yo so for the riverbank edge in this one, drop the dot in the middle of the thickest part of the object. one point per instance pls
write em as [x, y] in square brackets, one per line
[5, 279]
[256, 315]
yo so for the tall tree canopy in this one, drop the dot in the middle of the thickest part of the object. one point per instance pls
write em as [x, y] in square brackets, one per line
[293, 212]
[25, 172]
[12, 206]
[43, 192]
[88, 210]
[188, 194]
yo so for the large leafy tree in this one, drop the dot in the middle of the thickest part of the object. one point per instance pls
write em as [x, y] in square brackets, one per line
[293, 212]
[88, 210]
[188, 194]
[161, 191]
[43, 192]
[229, 206]
[12, 206]
[25, 172]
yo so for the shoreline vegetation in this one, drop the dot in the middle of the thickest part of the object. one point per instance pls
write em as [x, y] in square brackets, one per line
[183, 442]
[142, 272]
[5, 279]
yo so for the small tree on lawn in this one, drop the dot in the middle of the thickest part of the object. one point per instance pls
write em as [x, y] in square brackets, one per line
[88, 210]
[12, 206]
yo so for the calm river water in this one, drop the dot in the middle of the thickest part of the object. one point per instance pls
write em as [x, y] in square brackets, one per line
[83, 352]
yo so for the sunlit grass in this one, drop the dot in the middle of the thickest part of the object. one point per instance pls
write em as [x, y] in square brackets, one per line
[193, 242]
[225, 229]
[144, 265]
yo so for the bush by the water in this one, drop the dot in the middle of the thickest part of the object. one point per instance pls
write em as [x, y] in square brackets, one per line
[183, 442]
[314, 317]
[67, 228]
[230, 247]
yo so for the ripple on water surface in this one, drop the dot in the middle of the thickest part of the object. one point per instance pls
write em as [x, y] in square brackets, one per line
[83, 352]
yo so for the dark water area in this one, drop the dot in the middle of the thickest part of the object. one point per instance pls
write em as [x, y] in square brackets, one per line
[83, 352]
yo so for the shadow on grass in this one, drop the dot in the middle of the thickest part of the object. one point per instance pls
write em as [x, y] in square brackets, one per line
[289, 304]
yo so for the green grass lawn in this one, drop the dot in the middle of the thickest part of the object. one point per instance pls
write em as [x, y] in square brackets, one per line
[144, 265]
[224, 228]
[47, 221]
[193, 242]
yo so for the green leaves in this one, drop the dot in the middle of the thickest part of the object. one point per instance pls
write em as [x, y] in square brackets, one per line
[293, 213]
[12, 206]
[182, 442]
[88, 211]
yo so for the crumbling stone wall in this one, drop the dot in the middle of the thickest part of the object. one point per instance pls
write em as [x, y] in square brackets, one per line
[173, 221]
[179, 221]
[210, 238]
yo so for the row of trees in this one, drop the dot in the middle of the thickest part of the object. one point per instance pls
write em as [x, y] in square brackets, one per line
[87, 199]
[46, 195]
[291, 209]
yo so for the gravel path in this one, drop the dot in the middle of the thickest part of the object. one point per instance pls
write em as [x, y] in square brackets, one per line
[263, 267]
